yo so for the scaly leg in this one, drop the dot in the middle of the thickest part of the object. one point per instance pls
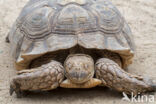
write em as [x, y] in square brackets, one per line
[112, 76]
[46, 77]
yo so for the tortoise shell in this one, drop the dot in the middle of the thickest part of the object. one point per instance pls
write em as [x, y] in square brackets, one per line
[52, 25]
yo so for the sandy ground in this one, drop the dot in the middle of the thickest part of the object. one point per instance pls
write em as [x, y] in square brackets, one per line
[141, 16]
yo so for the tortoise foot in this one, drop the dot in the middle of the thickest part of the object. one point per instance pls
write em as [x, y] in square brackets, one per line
[114, 77]
[14, 87]
[46, 77]
[7, 39]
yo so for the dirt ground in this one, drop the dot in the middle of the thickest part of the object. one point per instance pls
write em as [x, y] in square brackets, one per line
[140, 15]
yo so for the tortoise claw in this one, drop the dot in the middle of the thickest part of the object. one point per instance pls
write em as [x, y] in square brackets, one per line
[11, 91]
[154, 87]
[14, 87]
[150, 82]
[7, 39]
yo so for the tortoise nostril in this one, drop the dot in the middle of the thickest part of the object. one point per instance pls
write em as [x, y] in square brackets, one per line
[77, 69]
[70, 65]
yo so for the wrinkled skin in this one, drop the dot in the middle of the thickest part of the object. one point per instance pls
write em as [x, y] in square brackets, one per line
[79, 70]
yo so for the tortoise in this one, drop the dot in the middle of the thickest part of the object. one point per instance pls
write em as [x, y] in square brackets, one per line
[73, 44]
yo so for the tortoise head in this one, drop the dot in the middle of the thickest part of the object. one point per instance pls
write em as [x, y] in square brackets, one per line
[79, 68]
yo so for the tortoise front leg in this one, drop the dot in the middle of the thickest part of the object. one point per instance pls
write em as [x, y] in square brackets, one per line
[46, 77]
[114, 77]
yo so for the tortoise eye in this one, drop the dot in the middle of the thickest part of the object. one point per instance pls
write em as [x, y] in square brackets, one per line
[70, 65]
